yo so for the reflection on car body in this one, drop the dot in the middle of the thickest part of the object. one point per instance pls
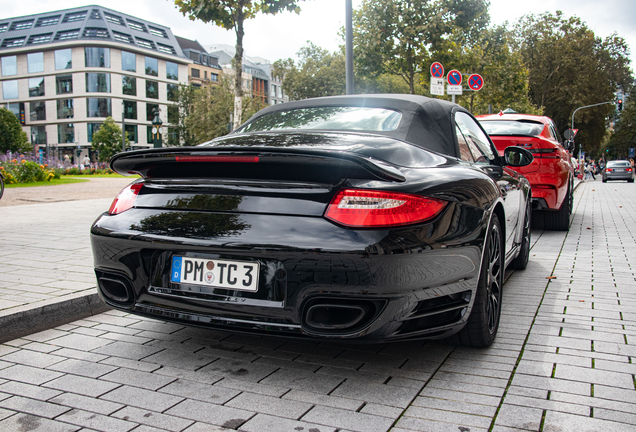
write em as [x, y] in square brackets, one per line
[359, 218]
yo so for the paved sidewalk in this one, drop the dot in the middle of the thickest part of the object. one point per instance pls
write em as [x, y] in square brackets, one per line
[563, 360]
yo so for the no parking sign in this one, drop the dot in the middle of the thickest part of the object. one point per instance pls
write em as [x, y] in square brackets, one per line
[475, 82]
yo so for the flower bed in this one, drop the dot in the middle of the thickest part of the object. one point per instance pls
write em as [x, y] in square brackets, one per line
[23, 169]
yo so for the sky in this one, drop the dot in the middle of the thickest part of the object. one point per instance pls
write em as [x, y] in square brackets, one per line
[281, 36]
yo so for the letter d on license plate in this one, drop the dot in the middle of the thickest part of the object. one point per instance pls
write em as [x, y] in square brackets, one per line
[233, 275]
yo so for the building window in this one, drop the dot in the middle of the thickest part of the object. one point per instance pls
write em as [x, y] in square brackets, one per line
[11, 43]
[36, 87]
[97, 57]
[10, 89]
[38, 134]
[172, 71]
[67, 34]
[97, 82]
[91, 129]
[145, 43]
[64, 84]
[152, 66]
[214, 77]
[158, 32]
[166, 49]
[129, 86]
[35, 62]
[65, 133]
[96, 32]
[279, 92]
[173, 114]
[150, 111]
[131, 133]
[128, 61]
[39, 38]
[98, 107]
[47, 21]
[74, 16]
[21, 25]
[65, 108]
[137, 26]
[37, 111]
[196, 73]
[272, 92]
[63, 59]
[149, 137]
[173, 92]
[9, 65]
[130, 110]
[194, 56]
[114, 19]
[122, 37]
[152, 89]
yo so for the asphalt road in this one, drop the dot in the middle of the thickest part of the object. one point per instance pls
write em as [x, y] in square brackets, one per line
[563, 359]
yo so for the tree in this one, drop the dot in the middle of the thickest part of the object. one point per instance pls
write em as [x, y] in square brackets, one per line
[624, 136]
[396, 37]
[178, 113]
[210, 111]
[231, 14]
[490, 53]
[568, 68]
[107, 140]
[317, 73]
[12, 137]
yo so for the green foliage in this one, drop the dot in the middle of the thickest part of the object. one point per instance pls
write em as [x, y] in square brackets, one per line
[178, 113]
[317, 73]
[488, 53]
[107, 140]
[211, 108]
[12, 137]
[568, 68]
[22, 170]
[396, 37]
[230, 14]
[624, 136]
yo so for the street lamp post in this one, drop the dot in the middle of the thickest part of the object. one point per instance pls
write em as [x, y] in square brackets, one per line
[349, 47]
[588, 106]
[156, 129]
[123, 127]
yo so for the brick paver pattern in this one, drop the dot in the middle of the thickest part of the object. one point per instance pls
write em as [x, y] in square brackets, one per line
[562, 361]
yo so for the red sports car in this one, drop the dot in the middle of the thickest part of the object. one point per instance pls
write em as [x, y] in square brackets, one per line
[550, 174]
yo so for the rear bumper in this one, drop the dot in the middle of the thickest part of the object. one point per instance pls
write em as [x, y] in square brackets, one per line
[618, 176]
[416, 282]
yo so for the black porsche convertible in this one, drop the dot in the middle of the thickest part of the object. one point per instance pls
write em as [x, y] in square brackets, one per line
[359, 218]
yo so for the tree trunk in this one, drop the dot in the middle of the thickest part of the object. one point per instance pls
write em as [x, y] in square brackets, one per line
[238, 67]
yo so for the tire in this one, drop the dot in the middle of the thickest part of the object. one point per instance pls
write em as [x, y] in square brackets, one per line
[628, 181]
[521, 262]
[560, 220]
[604, 180]
[481, 329]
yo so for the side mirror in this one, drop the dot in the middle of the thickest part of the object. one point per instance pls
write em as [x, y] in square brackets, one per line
[517, 156]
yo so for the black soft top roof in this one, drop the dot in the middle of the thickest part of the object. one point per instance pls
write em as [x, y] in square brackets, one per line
[426, 122]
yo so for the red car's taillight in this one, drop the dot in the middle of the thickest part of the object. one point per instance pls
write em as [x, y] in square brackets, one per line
[372, 209]
[125, 199]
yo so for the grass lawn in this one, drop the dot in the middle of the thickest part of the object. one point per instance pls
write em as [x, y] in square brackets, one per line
[47, 183]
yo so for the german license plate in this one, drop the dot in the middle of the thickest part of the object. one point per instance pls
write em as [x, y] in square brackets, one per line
[233, 275]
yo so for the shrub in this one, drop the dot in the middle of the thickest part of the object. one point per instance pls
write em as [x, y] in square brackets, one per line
[22, 170]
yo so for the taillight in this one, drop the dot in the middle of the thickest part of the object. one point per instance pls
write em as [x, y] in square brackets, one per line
[608, 170]
[366, 208]
[243, 159]
[628, 169]
[125, 199]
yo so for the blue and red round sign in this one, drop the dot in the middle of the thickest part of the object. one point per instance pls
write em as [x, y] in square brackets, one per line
[454, 77]
[475, 82]
[437, 70]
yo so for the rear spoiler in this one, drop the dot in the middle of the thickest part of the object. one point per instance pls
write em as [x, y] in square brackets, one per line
[264, 162]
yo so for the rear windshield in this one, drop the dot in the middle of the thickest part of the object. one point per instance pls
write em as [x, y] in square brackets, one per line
[618, 164]
[328, 118]
[512, 127]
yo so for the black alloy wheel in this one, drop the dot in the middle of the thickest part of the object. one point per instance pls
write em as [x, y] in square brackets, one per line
[521, 261]
[483, 322]
[560, 220]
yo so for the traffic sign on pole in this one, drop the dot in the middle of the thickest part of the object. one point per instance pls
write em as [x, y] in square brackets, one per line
[475, 82]
[437, 70]
[437, 86]
[454, 77]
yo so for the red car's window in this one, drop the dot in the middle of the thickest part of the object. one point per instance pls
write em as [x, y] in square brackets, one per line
[512, 127]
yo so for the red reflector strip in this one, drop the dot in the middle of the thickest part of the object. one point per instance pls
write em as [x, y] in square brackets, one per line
[243, 159]
[375, 209]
